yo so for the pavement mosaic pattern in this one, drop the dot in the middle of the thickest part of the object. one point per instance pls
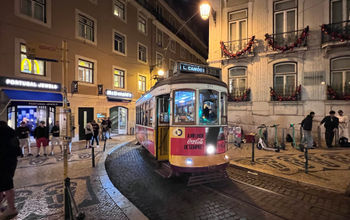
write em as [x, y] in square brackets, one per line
[243, 196]
[39, 185]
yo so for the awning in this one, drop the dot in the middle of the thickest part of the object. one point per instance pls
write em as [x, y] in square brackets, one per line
[21, 97]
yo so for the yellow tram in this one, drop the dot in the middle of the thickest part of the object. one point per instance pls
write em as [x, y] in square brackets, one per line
[183, 120]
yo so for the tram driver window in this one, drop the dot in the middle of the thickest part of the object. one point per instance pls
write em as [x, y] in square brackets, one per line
[184, 107]
[208, 106]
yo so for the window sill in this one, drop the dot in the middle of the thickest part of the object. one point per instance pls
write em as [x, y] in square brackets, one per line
[270, 52]
[87, 41]
[119, 53]
[286, 102]
[140, 61]
[80, 83]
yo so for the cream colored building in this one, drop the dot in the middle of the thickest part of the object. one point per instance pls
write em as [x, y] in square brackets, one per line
[314, 60]
[114, 50]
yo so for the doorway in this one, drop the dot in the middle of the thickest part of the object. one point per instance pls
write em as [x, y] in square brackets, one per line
[85, 115]
[119, 119]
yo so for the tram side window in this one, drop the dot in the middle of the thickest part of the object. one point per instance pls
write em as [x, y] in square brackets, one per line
[150, 115]
[146, 114]
[223, 108]
[208, 106]
[184, 106]
[164, 109]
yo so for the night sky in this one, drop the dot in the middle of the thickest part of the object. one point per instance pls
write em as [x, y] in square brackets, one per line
[185, 9]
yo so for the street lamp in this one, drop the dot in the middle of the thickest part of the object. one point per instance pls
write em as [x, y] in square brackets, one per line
[205, 10]
[160, 72]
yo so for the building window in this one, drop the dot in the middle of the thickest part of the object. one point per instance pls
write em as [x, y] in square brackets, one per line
[119, 43]
[237, 29]
[159, 9]
[86, 71]
[159, 38]
[142, 83]
[285, 21]
[142, 53]
[119, 9]
[285, 76]
[340, 75]
[173, 46]
[34, 8]
[171, 66]
[86, 28]
[142, 24]
[159, 60]
[237, 81]
[337, 13]
[31, 66]
[119, 78]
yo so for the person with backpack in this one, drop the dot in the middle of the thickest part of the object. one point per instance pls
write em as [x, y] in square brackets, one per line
[88, 135]
[9, 151]
[55, 140]
[104, 127]
[22, 133]
[96, 132]
[306, 124]
[41, 134]
[330, 123]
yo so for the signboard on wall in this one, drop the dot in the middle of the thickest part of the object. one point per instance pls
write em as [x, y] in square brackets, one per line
[29, 84]
[118, 95]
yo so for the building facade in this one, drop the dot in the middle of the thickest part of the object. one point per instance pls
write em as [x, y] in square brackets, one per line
[282, 58]
[106, 53]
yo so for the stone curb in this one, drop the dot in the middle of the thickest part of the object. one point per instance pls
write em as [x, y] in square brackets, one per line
[131, 211]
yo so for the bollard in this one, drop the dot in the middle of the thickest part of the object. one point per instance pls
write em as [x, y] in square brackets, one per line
[319, 138]
[253, 143]
[68, 212]
[104, 144]
[93, 156]
[306, 154]
[336, 137]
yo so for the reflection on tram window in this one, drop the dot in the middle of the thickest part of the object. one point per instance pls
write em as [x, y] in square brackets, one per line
[184, 106]
[208, 106]
[223, 108]
[164, 109]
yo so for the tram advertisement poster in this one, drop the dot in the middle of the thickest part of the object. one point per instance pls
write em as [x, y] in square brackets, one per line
[187, 141]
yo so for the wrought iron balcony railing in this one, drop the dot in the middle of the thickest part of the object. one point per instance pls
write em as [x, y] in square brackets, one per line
[237, 48]
[338, 93]
[288, 40]
[287, 94]
[239, 95]
[336, 32]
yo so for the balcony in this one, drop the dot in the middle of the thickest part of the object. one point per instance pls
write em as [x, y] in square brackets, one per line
[335, 33]
[239, 95]
[149, 7]
[237, 48]
[287, 41]
[289, 94]
[338, 93]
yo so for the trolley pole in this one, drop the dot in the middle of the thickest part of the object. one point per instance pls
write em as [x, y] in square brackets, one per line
[253, 153]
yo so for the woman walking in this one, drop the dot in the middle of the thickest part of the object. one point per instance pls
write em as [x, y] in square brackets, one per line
[88, 135]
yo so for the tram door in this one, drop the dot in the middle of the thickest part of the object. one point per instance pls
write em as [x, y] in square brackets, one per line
[163, 114]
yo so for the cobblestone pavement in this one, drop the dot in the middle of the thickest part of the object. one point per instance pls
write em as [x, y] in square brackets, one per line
[39, 185]
[244, 196]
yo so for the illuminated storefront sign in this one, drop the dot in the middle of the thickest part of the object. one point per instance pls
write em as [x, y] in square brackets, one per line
[115, 94]
[30, 84]
[193, 68]
[29, 63]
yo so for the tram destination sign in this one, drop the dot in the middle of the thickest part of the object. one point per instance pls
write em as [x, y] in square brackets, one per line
[29, 84]
[195, 68]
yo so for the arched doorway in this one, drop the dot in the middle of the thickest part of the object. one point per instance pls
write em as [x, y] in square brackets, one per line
[119, 119]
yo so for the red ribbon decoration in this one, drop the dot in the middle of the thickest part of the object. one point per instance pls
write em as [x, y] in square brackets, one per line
[238, 53]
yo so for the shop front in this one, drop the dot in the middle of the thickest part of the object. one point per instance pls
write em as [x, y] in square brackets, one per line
[22, 100]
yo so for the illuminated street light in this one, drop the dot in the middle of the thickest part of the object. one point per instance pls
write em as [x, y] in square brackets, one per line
[161, 72]
[204, 10]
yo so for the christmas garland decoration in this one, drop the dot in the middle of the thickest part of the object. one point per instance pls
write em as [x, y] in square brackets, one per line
[242, 98]
[295, 97]
[327, 30]
[333, 95]
[240, 52]
[297, 43]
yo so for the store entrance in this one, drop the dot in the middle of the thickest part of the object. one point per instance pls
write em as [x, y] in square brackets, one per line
[85, 115]
[119, 119]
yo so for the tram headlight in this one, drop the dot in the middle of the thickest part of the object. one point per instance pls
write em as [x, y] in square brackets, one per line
[189, 161]
[210, 149]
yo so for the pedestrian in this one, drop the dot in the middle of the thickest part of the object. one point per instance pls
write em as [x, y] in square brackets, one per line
[88, 135]
[41, 134]
[96, 132]
[343, 125]
[109, 127]
[331, 124]
[104, 128]
[9, 151]
[22, 133]
[306, 124]
[55, 140]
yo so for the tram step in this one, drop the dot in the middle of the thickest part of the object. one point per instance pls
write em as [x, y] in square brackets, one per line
[207, 178]
[165, 170]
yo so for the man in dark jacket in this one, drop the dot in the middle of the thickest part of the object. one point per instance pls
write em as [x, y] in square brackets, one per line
[41, 134]
[96, 132]
[330, 123]
[22, 133]
[109, 127]
[306, 124]
[9, 151]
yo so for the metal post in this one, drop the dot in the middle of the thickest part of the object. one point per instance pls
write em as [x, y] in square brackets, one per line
[93, 156]
[336, 137]
[68, 212]
[306, 154]
[253, 145]
[319, 136]
[104, 144]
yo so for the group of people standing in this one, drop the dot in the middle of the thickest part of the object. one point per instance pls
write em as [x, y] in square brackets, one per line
[331, 124]
[93, 131]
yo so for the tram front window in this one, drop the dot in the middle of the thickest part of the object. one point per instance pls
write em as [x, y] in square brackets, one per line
[208, 106]
[184, 106]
